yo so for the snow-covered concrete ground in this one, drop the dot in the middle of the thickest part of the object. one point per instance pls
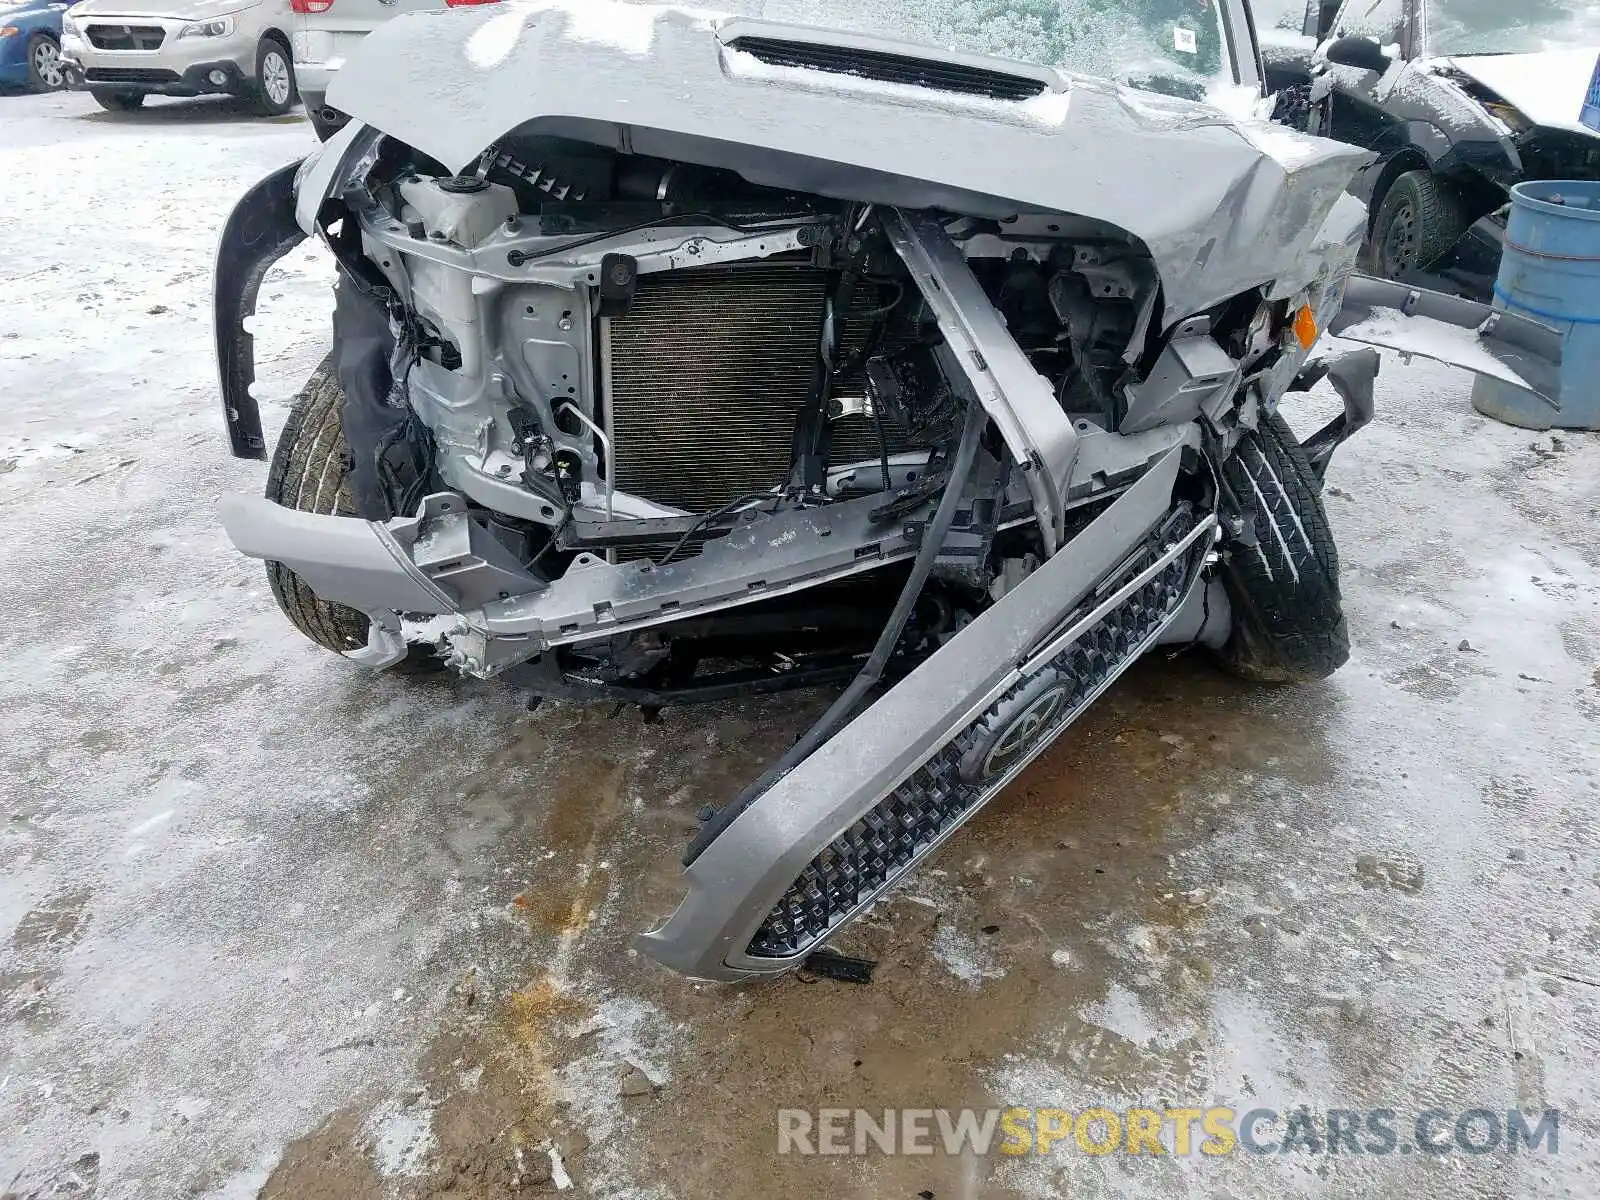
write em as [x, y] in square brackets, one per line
[267, 921]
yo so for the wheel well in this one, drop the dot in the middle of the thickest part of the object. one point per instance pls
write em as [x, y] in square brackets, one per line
[277, 35]
[1402, 163]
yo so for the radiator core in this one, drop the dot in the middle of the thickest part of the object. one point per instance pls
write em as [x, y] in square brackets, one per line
[705, 375]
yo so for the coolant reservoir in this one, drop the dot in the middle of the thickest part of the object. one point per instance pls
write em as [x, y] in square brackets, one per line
[464, 209]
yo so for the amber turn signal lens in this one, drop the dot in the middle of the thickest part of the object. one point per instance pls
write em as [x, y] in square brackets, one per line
[1305, 327]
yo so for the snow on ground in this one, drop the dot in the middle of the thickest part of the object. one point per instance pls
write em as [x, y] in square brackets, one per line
[266, 917]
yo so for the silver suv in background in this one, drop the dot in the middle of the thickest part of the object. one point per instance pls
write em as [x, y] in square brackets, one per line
[326, 31]
[125, 50]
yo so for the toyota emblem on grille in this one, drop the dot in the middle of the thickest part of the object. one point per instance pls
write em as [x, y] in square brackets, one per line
[1010, 734]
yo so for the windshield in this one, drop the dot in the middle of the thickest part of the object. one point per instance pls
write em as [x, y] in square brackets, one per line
[1177, 47]
[1511, 26]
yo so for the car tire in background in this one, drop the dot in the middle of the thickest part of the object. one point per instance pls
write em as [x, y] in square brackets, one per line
[117, 101]
[310, 472]
[45, 72]
[272, 91]
[1288, 617]
[1420, 220]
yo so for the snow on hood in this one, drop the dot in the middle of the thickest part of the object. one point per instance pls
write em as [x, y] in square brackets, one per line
[1222, 205]
[1547, 88]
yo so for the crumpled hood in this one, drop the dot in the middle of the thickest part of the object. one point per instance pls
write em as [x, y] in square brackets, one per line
[1221, 206]
[1546, 88]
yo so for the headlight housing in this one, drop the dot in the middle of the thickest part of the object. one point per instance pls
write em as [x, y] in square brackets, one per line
[216, 27]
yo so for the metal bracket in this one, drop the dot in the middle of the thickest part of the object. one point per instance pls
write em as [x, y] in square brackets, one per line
[1354, 377]
[997, 373]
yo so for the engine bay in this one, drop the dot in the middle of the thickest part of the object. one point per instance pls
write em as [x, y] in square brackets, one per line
[782, 328]
[660, 390]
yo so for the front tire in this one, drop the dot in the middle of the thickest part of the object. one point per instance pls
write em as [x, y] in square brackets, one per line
[121, 102]
[310, 472]
[273, 90]
[1288, 617]
[1419, 222]
[45, 71]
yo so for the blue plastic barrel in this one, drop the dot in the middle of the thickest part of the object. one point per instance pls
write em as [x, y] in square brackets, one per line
[1551, 272]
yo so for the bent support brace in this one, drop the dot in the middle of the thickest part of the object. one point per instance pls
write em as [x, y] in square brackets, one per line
[1354, 376]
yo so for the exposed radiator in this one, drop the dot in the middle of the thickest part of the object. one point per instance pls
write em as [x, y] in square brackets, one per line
[706, 374]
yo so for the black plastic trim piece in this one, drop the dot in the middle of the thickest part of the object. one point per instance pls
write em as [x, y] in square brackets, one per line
[260, 230]
[891, 68]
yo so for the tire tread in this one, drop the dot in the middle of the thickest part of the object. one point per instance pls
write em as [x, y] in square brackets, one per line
[1288, 622]
[1441, 214]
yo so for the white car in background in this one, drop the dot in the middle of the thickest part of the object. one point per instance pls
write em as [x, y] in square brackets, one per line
[125, 50]
[326, 31]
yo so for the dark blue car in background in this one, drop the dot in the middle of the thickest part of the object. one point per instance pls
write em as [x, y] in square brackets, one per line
[30, 45]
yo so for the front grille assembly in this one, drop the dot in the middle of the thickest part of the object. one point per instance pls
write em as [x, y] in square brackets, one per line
[962, 78]
[973, 766]
[126, 37]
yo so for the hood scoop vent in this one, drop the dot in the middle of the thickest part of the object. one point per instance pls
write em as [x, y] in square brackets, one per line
[963, 78]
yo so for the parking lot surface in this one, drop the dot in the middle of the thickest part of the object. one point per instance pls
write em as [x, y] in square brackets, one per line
[271, 924]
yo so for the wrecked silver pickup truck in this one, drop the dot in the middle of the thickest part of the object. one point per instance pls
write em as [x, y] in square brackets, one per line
[680, 357]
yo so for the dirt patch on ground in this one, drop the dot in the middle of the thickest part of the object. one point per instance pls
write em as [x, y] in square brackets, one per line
[329, 1163]
[981, 958]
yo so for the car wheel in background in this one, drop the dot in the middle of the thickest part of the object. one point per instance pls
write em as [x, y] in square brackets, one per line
[45, 72]
[118, 101]
[273, 87]
[1420, 220]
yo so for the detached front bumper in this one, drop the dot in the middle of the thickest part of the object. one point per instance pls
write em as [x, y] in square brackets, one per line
[1511, 348]
[826, 840]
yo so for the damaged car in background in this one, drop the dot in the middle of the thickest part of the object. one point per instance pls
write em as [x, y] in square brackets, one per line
[1459, 101]
[680, 357]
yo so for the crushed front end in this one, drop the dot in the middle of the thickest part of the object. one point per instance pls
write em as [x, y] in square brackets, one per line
[682, 410]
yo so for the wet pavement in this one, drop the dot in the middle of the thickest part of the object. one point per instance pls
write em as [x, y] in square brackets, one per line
[268, 923]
